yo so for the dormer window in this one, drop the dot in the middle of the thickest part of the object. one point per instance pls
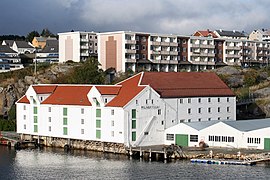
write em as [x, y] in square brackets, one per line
[96, 101]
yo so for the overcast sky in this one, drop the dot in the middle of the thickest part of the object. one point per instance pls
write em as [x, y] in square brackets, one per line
[158, 16]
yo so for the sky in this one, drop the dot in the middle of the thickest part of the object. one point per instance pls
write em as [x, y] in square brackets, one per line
[183, 17]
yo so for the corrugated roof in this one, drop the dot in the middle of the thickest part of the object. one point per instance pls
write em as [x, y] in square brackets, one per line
[44, 89]
[128, 91]
[249, 125]
[69, 95]
[186, 84]
[201, 125]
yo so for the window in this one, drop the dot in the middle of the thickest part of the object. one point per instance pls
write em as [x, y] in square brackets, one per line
[35, 128]
[209, 100]
[50, 109]
[35, 119]
[193, 138]
[199, 100]
[35, 110]
[146, 133]
[24, 126]
[143, 47]
[133, 136]
[112, 112]
[98, 123]
[209, 110]
[228, 99]
[228, 117]
[170, 137]
[189, 120]
[98, 134]
[218, 99]
[189, 110]
[152, 101]
[199, 119]
[112, 133]
[228, 109]
[189, 100]
[65, 111]
[133, 124]
[181, 101]
[199, 110]
[41, 98]
[65, 121]
[106, 100]
[82, 131]
[159, 111]
[137, 47]
[218, 118]
[184, 41]
[209, 119]
[24, 117]
[82, 121]
[50, 128]
[146, 101]
[112, 123]
[218, 109]
[211, 138]
[82, 111]
[50, 119]
[143, 56]
[184, 49]
[24, 107]
[133, 113]
[162, 122]
[98, 112]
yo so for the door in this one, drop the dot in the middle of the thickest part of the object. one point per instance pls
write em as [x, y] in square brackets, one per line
[266, 143]
[181, 139]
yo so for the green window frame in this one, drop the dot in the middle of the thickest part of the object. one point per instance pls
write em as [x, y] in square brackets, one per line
[98, 123]
[65, 111]
[133, 136]
[97, 104]
[65, 131]
[98, 134]
[35, 110]
[133, 113]
[36, 128]
[35, 119]
[98, 112]
[65, 121]
[133, 124]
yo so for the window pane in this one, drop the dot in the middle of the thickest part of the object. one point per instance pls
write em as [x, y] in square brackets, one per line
[133, 136]
[35, 119]
[98, 123]
[133, 124]
[98, 112]
[170, 137]
[35, 128]
[65, 130]
[65, 111]
[98, 134]
[133, 113]
[64, 121]
[35, 110]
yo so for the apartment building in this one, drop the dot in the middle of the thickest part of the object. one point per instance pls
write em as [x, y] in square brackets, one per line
[77, 46]
[260, 35]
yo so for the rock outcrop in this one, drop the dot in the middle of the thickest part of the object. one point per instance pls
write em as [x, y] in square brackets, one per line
[13, 89]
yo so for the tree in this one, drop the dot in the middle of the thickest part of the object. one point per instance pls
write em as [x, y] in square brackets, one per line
[30, 36]
[47, 33]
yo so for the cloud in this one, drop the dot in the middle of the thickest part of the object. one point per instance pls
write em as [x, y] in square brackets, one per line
[161, 16]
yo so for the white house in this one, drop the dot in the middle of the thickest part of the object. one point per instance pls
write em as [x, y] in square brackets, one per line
[23, 47]
[253, 134]
[134, 112]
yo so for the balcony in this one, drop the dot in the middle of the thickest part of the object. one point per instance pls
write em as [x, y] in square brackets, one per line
[165, 44]
[173, 44]
[195, 45]
[233, 47]
[232, 55]
[130, 42]
[174, 53]
[129, 60]
[84, 54]
[154, 52]
[165, 52]
[84, 47]
[207, 46]
[155, 43]
[84, 40]
[130, 51]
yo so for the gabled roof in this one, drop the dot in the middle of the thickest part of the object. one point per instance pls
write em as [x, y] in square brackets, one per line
[23, 100]
[249, 125]
[186, 84]
[6, 49]
[230, 33]
[44, 89]
[50, 47]
[9, 42]
[201, 125]
[23, 44]
[205, 33]
[130, 88]
[108, 90]
[69, 95]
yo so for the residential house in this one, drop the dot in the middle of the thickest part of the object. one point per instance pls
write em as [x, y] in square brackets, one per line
[260, 35]
[23, 47]
[40, 42]
[49, 53]
[9, 59]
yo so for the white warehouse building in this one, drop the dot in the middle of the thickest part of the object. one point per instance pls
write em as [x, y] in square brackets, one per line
[134, 112]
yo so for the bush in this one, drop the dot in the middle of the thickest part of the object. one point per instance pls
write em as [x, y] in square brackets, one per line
[7, 125]
[251, 78]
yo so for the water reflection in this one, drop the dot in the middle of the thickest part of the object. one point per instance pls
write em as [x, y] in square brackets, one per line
[56, 164]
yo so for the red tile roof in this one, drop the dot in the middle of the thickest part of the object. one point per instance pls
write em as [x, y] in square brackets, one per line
[206, 33]
[108, 90]
[69, 95]
[128, 91]
[23, 100]
[186, 84]
[44, 89]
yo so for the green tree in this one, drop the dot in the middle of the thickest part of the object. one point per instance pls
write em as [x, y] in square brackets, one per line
[30, 36]
[47, 33]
